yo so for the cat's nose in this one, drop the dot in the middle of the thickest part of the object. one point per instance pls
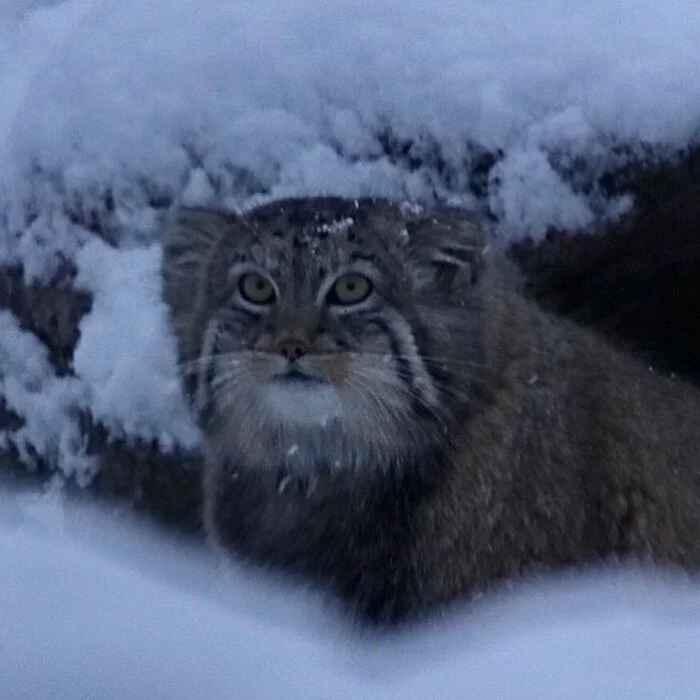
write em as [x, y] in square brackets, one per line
[292, 349]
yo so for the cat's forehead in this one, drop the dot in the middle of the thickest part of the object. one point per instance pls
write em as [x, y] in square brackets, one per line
[280, 236]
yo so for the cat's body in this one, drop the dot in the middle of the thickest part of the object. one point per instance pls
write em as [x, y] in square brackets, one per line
[446, 434]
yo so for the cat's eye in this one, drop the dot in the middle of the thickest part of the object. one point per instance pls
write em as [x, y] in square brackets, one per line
[348, 289]
[256, 289]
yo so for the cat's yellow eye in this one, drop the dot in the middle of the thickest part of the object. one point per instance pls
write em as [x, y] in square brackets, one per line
[351, 288]
[256, 288]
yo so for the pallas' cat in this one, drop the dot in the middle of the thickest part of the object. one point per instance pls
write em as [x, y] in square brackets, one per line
[384, 416]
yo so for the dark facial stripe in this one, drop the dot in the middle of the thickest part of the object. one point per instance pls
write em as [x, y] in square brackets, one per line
[207, 371]
[404, 367]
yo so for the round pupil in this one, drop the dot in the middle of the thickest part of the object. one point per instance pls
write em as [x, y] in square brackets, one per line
[256, 288]
[352, 289]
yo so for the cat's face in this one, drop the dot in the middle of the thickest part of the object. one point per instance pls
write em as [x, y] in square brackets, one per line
[330, 329]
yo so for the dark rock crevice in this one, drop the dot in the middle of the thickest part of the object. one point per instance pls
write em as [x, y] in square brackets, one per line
[637, 281]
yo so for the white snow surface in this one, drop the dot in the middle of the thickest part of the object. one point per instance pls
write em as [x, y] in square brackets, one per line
[115, 111]
[96, 606]
[130, 371]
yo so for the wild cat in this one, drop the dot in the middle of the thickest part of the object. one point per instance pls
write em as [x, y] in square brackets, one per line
[384, 416]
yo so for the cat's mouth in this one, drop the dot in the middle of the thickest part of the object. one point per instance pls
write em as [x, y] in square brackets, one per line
[294, 375]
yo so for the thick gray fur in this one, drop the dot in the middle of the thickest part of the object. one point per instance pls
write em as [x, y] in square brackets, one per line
[481, 438]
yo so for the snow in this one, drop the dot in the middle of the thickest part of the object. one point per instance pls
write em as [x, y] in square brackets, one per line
[49, 404]
[112, 113]
[94, 606]
[237, 101]
[131, 372]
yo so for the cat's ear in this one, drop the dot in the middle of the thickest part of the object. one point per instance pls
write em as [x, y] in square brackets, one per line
[450, 245]
[194, 272]
[190, 237]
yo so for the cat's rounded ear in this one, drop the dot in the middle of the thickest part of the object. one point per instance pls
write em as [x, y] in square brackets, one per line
[191, 237]
[449, 244]
[194, 271]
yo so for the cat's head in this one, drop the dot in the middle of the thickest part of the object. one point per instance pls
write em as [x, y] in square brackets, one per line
[318, 331]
